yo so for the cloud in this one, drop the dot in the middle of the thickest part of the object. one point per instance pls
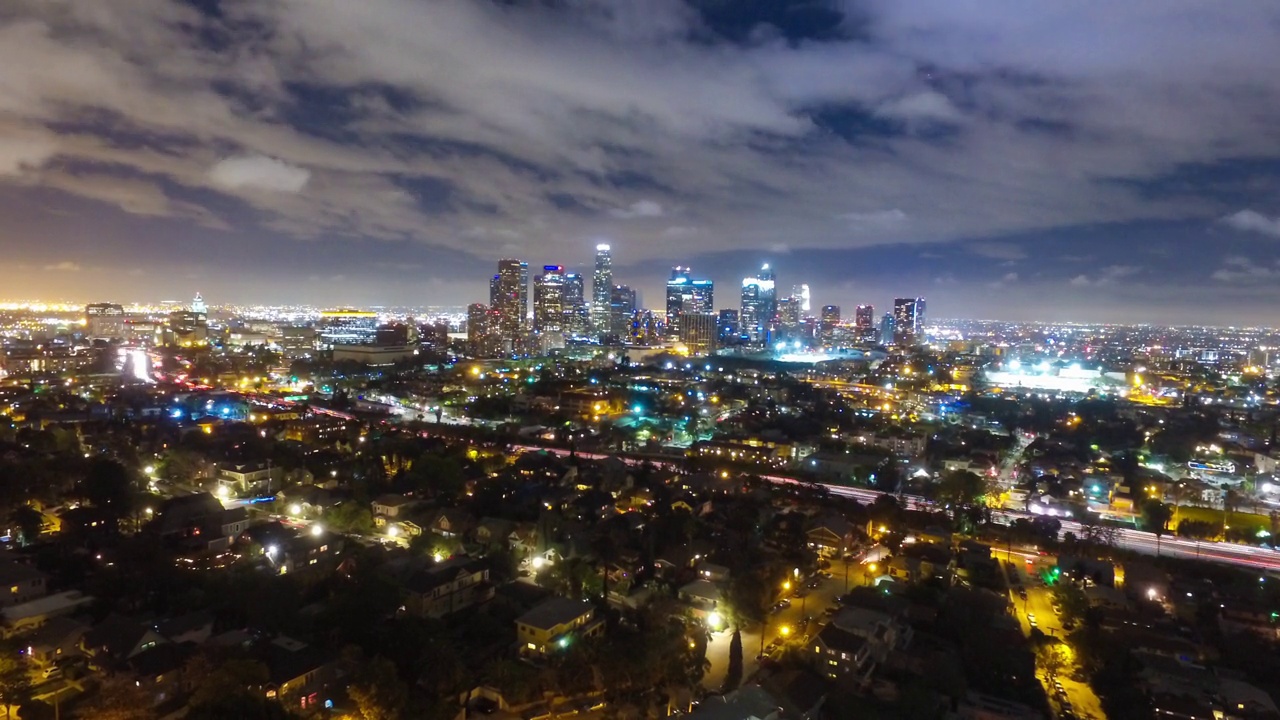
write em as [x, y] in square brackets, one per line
[875, 218]
[23, 153]
[1238, 269]
[66, 266]
[259, 172]
[998, 250]
[1106, 276]
[639, 209]
[1005, 280]
[927, 105]
[1251, 221]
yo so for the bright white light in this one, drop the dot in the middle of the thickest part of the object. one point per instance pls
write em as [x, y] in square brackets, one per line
[393, 531]
[223, 492]
[272, 550]
[295, 509]
[150, 469]
[538, 563]
[438, 557]
[714, 620]
[317, 530]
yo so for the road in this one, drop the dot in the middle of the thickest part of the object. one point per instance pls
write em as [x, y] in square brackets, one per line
[792, 619]
[1039, 603]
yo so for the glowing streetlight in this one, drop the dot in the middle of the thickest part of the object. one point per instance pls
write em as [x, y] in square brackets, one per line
[295, 509]
[714, 620]
[786, 585]
[538, 563]
[223, 492]
[785, 630]
[317, 530]
[393, 531]
[150, 469]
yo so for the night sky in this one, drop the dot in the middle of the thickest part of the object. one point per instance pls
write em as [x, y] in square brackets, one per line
[1114, 161]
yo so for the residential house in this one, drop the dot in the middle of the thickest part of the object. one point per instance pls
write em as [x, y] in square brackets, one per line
[20, 583]
[57, 638]
[250, 477]
[882, 632]
[117, 639]
[299, 674]
[554, 623]
[830, 535]
[27, 616]
[703, 597]
[451, 522]
[158, 671]
[491, 532]
[711, 571]
[446, 588]
[198, 522]
[838, 654]
[390, 507]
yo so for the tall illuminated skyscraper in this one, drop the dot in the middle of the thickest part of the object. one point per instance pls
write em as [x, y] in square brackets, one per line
[622, 305]
[548, 299]
[602, 290]
[908, 321]
[509, 298]
[827, 325]
[686, 295]
[759, 314]
[577, 316]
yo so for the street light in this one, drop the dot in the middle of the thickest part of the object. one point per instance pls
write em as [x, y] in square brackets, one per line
[785, 630]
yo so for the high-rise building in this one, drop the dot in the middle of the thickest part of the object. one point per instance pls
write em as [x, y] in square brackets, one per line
[646, 329]
[198, 306]
[622, 305]
[908, 321]
[602, 291]
[827, 324]
[698, 332]
[577, 316]
[482, 338]
[104, 321]
[686, 295]
[864, 320]
[509, 298]
[886, 329]
[759, 314]
[549, 300]
[727, 328]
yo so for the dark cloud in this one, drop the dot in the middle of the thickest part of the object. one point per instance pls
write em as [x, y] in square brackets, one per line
[469, 130]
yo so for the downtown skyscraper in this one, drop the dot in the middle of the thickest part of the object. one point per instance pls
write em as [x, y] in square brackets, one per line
[759, 314]
[509, 299]
[686, 295]
[602, 290]
[908, 321]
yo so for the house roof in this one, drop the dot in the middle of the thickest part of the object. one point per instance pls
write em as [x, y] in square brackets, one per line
[427, 579]
[840, 640]
[554, 611]
[12, 573]
[117, 635]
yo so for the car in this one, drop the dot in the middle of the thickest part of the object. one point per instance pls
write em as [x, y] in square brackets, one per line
[785, 603]
[831, 611]
[1022, 593]
[51, 673]
[1031, 619]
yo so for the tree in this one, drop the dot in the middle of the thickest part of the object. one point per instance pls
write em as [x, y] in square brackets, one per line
[1156, 516]
[15, 684]
[733, 675]
[107, 486]
[378, 692]
[1050, 659]
[119, 701]
[29, 522]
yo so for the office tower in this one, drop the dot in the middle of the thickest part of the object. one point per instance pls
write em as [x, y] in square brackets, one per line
[602, 291]
[864, 323]
[187, 329]
[727, 329]
[548, 299]
[646, 329]
[908, 321]
[297, 341]
[686, 295]
[789, 313]
[577, 315]
[198, 307]
[698, 332]
[886, 329]
[482, 340]
[104, 321]
[827, 324]
[622, 306]
[759, 314]
[509, 298]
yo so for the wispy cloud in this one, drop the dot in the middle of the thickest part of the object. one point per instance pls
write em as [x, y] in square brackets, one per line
[1252, 221]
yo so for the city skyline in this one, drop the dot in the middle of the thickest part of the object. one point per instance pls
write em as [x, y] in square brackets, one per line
[1015, 164]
